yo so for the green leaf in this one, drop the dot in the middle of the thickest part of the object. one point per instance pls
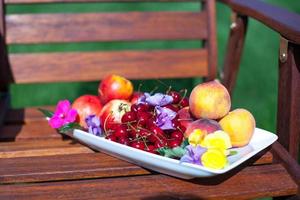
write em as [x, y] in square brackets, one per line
[47, 113]
[176, 152]
[69, 127]
[184, 143]
[231, 153]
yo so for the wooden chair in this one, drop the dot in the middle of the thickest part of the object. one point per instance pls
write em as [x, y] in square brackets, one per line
[37, 163]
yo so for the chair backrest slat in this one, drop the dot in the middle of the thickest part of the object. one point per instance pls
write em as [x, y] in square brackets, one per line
[95, 65]
[131, 26]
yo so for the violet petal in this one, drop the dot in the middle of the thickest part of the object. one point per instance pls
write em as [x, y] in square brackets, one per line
[159, 99]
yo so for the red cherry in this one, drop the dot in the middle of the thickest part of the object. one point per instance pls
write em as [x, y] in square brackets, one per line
[150, 122]
[173, 143]
[121, 131]
[128, 117]
[177, 135]
[156, 134]
[111, 137]
[160, 143]
[138, 145]
[143, 133]
[184, 102]
[176, 96]
[134, 107]
[151, 149]
[175, 123]
[143, 117]
[134, 133]
[123, 140]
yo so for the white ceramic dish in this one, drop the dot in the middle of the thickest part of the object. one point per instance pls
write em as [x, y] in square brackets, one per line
[260, 140]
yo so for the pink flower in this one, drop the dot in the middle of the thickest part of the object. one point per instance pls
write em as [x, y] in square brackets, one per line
[63, 114]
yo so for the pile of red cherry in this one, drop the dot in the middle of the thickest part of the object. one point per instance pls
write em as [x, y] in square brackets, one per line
[139, 128]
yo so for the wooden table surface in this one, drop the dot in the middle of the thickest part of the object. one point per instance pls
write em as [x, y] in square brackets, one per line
[38, 163]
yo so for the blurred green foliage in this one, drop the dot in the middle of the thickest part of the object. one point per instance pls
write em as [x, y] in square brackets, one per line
[256, 88]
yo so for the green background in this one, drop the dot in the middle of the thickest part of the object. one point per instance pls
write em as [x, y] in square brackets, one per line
[256, 87]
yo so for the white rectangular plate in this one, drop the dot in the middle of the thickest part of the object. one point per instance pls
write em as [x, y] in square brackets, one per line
[259, 141]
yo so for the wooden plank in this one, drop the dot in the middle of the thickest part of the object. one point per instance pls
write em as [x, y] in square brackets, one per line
[36, 131]
[35, 161]
[288, 118]
[53, 67]
[234, 51]
[283, 156]
[86, 27]
[212, 40]
[41, 148]
[65, 167]
[251, 182]
[84, 1]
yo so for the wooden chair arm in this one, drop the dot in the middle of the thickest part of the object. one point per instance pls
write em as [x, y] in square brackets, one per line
[279, 19]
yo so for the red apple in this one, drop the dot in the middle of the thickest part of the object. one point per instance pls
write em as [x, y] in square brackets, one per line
[112, 113]
[185, 117]
[87, 105]
[115, 87]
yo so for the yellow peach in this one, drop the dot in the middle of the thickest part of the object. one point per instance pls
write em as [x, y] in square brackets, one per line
[240, 125]
[209, 100]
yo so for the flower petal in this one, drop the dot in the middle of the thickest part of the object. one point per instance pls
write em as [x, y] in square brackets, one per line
[56, 122]
[193, 154]
[70, 116]
[164, 117]
[142, 99]
[159, 99]
[63, 107]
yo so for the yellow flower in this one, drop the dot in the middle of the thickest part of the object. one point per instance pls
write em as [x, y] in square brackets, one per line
[218, 139]
[214, 159]
[196, 137]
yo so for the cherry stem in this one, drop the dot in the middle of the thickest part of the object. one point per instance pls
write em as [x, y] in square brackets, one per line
[139, 88]
[185, 119]
[183, 96]
[152, 91]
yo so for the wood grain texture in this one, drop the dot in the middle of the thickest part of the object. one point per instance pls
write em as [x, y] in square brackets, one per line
[251, 182]
[281, 155]
[35, 131]
[212, 40]
[59, 67]
[86, 27]
[288, 117]
[65, 167]
[281, 20]
[84, 1]
[41, 148]
[234, 51]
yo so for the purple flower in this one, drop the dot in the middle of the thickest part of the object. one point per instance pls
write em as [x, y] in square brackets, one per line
[142, 99]
[164, 117]
[193, 154]
[158, 99]
[93, 124]
[63, 114]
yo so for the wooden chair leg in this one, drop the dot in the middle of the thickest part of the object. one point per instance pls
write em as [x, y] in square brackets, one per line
[234, 50]
[288, 117]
